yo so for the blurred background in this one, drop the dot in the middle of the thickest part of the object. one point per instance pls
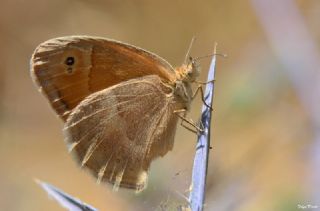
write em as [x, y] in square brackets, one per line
[266, 120]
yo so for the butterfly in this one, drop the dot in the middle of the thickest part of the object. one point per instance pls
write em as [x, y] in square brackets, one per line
[120, 104]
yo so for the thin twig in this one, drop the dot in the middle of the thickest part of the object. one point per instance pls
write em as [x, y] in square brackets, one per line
[200, 165]
[64, 199]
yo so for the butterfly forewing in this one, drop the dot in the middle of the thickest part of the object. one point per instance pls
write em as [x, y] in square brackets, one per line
[68, 69]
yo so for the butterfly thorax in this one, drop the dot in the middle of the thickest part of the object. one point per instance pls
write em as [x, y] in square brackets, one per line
[185, 76]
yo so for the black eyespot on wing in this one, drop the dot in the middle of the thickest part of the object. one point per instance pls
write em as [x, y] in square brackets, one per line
[69, 61]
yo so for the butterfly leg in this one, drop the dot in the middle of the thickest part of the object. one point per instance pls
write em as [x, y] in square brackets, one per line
[196, 129]
[199, 88]
[204, 83]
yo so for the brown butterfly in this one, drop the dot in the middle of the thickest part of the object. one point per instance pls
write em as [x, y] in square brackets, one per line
[120, 104]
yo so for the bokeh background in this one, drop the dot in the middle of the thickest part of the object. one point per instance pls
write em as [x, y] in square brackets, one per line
[266, 120]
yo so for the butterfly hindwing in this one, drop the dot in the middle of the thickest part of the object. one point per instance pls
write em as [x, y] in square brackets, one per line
[118, 131]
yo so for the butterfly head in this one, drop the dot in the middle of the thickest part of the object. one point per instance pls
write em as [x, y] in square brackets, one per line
[189, 72]
[193, 70]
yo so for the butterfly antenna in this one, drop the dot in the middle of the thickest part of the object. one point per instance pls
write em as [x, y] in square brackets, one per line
[212, 54]
[189, 49]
